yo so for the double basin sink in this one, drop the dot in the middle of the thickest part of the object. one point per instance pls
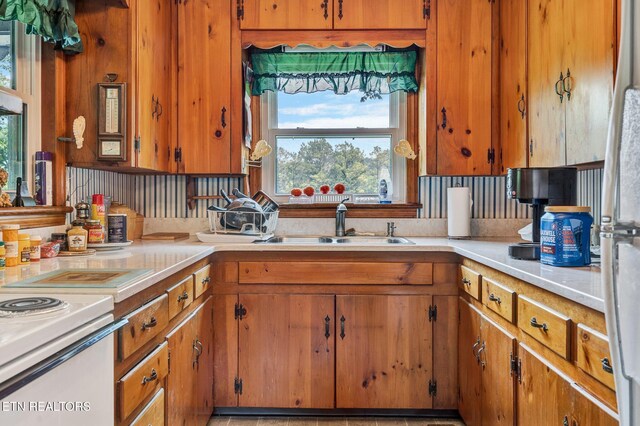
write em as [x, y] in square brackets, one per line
[336, 240]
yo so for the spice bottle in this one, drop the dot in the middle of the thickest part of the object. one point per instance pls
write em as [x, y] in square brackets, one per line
[77, 237]
[10, 238]
[24, 248]
[36, 242]
[97, 209]
[3, 253]
[95, 231]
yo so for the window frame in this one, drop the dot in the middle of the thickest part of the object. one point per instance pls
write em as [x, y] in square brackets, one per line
[397, 129]
[27, 78]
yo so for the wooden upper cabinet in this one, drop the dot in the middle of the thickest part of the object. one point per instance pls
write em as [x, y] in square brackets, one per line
[513, 83]
[546, 96]
[204, 80]
[286, 14]
[286, 351]
[383, 352]
[464, 87]
[379, 14]
[153, 88]
[590, 38]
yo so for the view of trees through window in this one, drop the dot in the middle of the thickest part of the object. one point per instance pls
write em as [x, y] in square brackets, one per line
[358, 163]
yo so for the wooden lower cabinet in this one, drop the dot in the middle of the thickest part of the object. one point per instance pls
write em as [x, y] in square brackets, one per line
[487, 393]
[190, 379]
[383, 352]
[286, 351]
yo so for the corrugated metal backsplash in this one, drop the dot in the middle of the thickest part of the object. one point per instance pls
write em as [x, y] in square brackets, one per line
[165, 196]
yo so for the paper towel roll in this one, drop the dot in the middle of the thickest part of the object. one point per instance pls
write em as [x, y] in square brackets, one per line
[459, 212]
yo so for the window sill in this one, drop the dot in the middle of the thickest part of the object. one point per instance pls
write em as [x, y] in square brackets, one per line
[328, 210]
[34, 217]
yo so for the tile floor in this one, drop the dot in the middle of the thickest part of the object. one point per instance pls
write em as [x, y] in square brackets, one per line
[330, 421]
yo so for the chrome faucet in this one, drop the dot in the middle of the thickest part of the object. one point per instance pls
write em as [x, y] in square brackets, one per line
[341, 214]
[391, 229]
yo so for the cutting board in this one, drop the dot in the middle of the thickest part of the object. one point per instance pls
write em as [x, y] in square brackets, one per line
[166, 236]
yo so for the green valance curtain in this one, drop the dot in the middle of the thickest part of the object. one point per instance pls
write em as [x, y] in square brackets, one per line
[53, 20]
[372, 73]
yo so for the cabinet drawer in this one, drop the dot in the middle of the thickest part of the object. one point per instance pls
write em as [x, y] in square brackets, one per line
[593, 355]
[144, 324]
[153, 413]
[499, 299]
[547, 326]
[180, 296]
[335, 273]
[470, 280]
[142, 380]
[202, 280]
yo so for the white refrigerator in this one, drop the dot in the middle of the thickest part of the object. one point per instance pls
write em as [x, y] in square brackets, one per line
[620, 227]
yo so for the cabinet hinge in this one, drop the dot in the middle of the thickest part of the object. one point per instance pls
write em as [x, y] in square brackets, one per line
[426, 9]
[516, 367]
[531, 148]
[433, 387]
[177, 155]
[237, 386]
[240, 311]
[240, 9]
[433, 313]
[491, 156]
[136, 144]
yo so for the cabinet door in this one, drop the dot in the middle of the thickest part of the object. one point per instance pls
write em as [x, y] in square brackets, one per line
[498, 384]
[204, 77]
[203, 340]
[590, 43]
[545, 63]
[286, 351]
[464, 87]
[153, 100]
[384, 352]
[544, 395]
[588, 411]
[513, 83]
[380, 14]
[287, 15]
[469, 373]
[181, 381]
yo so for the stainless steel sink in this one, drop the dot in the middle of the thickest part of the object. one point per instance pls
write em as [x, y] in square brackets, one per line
[336, 240]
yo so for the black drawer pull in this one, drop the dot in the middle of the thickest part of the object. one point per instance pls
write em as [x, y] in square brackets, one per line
[154, 376]
[493, 298]
[327, 323]
[536, 324]
[150, 324]
[606, 365]
[183, 296]
[466, 281]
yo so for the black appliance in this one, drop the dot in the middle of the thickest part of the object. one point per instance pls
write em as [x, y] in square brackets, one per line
[540, 187]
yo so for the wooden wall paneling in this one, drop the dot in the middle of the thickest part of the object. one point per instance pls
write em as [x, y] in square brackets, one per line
[513, 84]
[225, 348]
[385, 358]
[445, 343]
[204, 94]
[54, 117]
[545, 62]
[287, 15]
[286, 351]
[107, 35]
[544, 395]
[498, 381]
[590, 44]
[379, 14]
[464, 87]
[469, 372]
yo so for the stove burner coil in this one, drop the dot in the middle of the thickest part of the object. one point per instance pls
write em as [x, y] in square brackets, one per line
[30, 305]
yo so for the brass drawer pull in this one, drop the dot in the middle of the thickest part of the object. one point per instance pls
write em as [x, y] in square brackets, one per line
[183, 296]
[536, 324]
[150, 324]
[154, 376]
[493, 298]
[606, 365]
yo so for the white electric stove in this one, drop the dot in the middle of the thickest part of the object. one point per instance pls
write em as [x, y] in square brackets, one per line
[56, 359]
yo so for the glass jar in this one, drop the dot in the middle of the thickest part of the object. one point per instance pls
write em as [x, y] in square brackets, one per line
[36, 242]
[3, 253]
[95, 231]
[77, 237]
[24, 248]
[10, 238]
[60, 238]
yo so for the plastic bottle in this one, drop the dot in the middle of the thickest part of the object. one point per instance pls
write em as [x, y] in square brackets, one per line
[3, 253]
[36, 242]
[97, 209]
[10, 238]
[24, 249]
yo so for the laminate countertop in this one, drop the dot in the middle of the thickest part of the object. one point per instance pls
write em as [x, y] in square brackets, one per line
[162, 259]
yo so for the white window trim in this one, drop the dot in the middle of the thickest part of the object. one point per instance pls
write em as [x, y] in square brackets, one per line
[28, 88]
[397, 130]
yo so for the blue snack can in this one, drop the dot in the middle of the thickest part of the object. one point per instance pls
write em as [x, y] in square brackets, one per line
[565, 236]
